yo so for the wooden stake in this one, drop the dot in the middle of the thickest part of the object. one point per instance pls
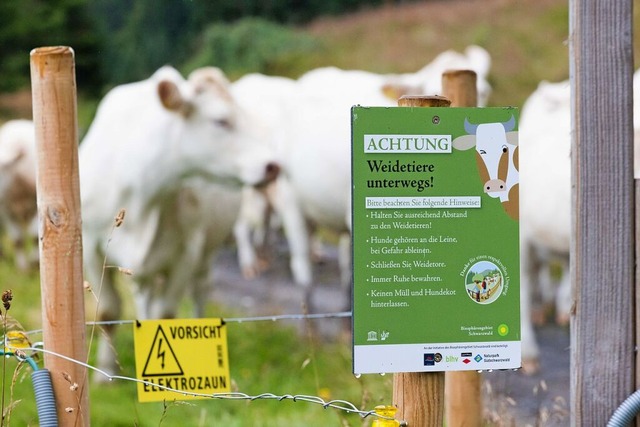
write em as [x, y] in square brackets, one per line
[462, 396]
[459, 86]
[419, 396]
[603, 348]
[423, 101]
[60, 229]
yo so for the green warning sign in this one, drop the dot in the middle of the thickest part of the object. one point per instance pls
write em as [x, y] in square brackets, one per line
[435, 239]
[179, 356]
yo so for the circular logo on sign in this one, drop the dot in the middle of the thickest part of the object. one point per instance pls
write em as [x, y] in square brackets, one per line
[503, 330]
[484, 282]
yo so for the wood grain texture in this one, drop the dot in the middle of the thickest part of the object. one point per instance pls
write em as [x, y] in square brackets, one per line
[419, 396]
[462, 390]
[60, 228]
[602, 262]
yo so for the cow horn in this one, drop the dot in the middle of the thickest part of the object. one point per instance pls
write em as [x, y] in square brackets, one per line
[510, 124]
[470, 128]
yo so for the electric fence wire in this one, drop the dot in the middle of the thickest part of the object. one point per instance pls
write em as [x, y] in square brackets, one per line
[272, 318]
[342, 405]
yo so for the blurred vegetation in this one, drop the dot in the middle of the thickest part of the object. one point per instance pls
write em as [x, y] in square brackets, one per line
[27, 24]
[118, 41]
[252, 44]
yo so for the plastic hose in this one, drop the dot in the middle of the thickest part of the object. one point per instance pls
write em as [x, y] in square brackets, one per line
[626, 412]
[45, 400]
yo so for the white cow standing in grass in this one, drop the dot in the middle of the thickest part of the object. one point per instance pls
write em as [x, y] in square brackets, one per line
[18, 209]
[165, 150]
[268, 99]
[312, 119]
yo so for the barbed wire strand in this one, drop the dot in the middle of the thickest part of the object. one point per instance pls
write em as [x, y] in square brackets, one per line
[342, 405]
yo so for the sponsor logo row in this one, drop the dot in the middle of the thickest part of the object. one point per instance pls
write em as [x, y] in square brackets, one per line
[431, 359]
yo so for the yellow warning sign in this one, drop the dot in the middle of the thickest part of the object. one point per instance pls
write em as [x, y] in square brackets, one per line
[178, 356]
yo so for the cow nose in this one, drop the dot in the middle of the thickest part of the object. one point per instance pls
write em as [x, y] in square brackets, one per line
[271, 171]
[494, 185]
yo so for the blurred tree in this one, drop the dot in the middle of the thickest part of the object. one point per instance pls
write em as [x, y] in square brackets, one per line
[118, 41]
[27, 24]
[154, 33]
[282, 11]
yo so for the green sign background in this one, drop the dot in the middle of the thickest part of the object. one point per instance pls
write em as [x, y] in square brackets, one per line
[388, 301]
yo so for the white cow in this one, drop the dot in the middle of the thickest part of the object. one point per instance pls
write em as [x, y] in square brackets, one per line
[165, 150]
[545, 205]
[269, 99]
[18, 210]
[349, 87]
[545, 202]
[312, 119]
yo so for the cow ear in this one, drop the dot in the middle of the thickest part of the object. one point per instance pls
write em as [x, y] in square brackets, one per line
[170, 97]
[464, 142]
[512, 137]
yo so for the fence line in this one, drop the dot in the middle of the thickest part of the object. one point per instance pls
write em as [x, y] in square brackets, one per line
[342, 405]
[272, 318]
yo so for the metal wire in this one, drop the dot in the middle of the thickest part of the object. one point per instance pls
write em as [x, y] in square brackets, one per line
[273, 318]
[342, 405]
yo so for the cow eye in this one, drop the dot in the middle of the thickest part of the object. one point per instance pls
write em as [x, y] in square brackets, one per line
[224, 123]
[504, 149]
[483, 152]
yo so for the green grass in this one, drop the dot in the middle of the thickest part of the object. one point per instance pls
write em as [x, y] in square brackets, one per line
[265, 357]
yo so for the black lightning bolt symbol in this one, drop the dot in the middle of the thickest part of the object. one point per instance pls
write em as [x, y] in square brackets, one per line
[160, 353]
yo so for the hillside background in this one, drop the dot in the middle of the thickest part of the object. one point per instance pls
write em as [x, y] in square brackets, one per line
[118, 41]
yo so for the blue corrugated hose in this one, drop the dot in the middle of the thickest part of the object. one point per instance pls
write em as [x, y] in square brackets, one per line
[45, 400]
[43, 389]
[626, 412]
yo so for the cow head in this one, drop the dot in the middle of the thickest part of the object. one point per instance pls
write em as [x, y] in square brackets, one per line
[215, 139]
[497, 158]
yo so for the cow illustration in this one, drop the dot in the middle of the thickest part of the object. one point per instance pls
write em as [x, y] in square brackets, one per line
[497, 156]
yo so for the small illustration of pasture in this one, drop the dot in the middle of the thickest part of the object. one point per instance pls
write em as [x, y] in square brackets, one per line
[484, 282]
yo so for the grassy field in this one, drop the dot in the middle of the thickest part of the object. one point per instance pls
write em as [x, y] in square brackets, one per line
[265, 357]
[527, 42]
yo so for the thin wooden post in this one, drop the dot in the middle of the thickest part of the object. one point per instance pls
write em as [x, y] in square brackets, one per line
[603, 348]
[460, 87]
[419, 396]
[462, 389]
[60, 229]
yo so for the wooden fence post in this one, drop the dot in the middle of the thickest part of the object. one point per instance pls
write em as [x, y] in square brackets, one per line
[60, 229]
[603, 348]
[462, 389]
[419, 396]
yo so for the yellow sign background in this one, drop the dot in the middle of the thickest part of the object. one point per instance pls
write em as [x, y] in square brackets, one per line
[187, 355]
